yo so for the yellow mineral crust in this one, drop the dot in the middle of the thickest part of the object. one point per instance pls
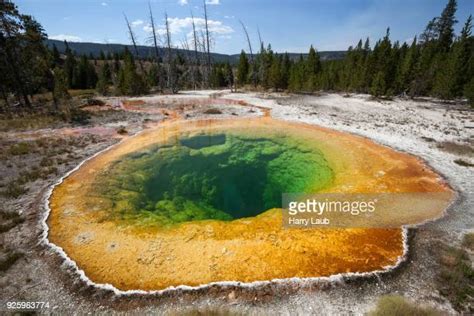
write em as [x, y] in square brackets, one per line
[249, 249]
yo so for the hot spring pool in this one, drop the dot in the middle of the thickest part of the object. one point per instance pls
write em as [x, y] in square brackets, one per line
[212, 177]
[195, 202]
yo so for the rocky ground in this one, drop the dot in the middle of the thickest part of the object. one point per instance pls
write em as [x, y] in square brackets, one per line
[33, 158]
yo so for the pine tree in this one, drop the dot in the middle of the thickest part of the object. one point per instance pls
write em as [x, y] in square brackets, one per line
[378, 85]
[56, 57]
[129, 82]
[463, 54]
[407, 67]
[312, 69]
[69, 65]
[469, 92]
[153, 75]
[297, 75]
[228, 76]
[445, 26]
[25, 61]
[243, 69]
[34, 56]
[452, 73]
[275, 75]
[104, 79]
[285, 71]
[60, 91]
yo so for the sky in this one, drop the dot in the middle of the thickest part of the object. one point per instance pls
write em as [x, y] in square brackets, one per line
[289, 25]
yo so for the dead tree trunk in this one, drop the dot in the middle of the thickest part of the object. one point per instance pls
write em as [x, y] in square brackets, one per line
[132, 38]
[169, 57]
[154, 34]
[196, 57]
[208, 49]
[260, 38]
[252, 61]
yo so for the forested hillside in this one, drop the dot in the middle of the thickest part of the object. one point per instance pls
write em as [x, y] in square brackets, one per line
[437, 63]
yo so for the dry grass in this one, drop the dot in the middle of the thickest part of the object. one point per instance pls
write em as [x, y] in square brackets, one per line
[8, 258]
[468, 241]
[35, 160]
[8, 220]
[22, 148]
[395, 305]
[29, 121]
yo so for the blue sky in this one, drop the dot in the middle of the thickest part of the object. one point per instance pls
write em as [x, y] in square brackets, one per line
[289, 25]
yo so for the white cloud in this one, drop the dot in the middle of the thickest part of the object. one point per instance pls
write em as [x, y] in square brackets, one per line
[66, 37]
[137, 23]
[147, 28]
[104, 4]
[229, 17]
[213, 2]
[183, 2]
[181, 25]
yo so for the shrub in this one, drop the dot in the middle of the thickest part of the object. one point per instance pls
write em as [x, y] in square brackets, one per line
[14, 190]
[22, 148]
[213, 111]
[122, 130]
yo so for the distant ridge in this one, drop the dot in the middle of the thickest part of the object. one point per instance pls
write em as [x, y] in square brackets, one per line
[84, 48]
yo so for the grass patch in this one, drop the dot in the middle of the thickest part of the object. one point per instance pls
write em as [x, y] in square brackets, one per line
[456, 276]
[8, 259]
[22, 148]
[396, 305]
[33, 121]
[14, 190]
[468, 241]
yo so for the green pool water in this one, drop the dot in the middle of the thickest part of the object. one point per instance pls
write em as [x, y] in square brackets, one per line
[218, 176]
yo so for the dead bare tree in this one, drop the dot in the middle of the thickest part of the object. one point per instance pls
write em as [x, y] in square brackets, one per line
[134, 42]
[171, 75]
[196, 55]
[208, 46]
[260, 38]
[154, 34]
[202, 49]
[188, 62]
[252, 60]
